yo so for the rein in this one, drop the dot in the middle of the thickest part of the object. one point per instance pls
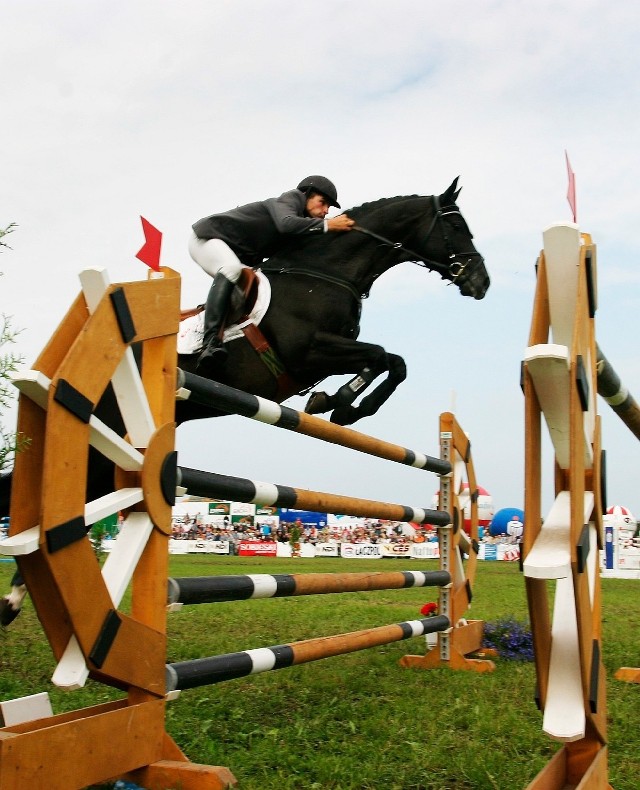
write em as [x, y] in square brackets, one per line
[453, 269]
[328, 278]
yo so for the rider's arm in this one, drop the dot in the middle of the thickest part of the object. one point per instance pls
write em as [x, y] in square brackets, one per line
[287, 213]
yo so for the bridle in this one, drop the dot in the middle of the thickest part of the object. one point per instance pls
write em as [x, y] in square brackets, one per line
[455, 268]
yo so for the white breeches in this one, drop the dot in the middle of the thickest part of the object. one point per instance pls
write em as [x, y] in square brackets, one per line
[215, 255]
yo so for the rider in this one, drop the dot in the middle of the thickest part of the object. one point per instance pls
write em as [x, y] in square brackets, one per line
[223, 243]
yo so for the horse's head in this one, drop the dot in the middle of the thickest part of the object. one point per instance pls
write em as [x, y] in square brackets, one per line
[445, 242]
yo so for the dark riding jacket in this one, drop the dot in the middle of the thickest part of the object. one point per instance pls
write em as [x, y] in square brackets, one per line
[258, 230]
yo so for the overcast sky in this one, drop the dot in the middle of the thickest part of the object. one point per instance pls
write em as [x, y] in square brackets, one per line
[112, 110]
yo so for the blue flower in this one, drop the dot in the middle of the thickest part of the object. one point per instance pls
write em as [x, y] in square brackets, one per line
[510, 638]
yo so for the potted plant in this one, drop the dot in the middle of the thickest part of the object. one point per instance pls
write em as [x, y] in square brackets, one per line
[294, 540]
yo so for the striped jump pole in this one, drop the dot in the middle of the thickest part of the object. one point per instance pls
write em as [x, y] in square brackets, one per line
[216, 589]
[239, 489]
[206, 671]
[234, 401]
[626, 407]
[613, 391]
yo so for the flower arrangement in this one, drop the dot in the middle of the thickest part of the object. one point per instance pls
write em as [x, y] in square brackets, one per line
[429, 609]
[510, 638]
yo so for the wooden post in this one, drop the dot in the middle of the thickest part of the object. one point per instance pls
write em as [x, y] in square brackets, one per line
[559, 382]
[455, 646]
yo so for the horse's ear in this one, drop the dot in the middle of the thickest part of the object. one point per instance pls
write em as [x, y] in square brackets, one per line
[451, 194]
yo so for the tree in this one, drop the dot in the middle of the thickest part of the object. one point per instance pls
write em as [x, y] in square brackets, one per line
[10, 442]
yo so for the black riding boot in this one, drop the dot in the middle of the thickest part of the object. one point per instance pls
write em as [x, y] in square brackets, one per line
[213, 353]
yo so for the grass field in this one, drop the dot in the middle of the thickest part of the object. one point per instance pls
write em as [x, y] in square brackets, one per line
[357, 721]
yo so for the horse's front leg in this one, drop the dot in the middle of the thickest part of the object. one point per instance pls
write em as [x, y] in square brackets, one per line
[369, 405]
[334, 355]
[320, 402]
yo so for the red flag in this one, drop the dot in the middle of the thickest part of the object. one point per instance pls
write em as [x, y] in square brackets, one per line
[571, 192]
[149, 253]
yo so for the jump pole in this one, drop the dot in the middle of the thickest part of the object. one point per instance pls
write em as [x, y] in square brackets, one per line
[218, 589]
[206, 671]
[613, 391]
[559, 383]
[234, 401]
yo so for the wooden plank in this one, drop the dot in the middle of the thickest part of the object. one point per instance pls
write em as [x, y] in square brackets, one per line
[548, 366]
[127, 385]
[17, 711]
[539, 329]
[550, 557]
[35, 385]
[553, 775]
[100, 746]
[153, 309]
[564, 712]
[72, 671]
[185, 775]
[628, 674]
[538, 603]
[562, 255]
[587, 765]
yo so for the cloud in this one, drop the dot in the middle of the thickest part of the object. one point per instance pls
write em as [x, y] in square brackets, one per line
[174, 111]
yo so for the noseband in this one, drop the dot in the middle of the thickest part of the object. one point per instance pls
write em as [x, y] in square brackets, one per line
[454, 269]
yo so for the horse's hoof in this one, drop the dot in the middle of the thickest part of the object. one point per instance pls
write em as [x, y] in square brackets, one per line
[344, 415]
[318, 403]
[7, 613]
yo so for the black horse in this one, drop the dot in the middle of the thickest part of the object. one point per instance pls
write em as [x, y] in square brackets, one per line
[317, 287]
[312, 324]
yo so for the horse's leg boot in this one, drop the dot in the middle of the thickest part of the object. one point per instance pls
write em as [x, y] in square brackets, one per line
[213, 353]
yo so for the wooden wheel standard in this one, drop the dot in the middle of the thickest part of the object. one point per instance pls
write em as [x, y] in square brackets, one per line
[78, 602]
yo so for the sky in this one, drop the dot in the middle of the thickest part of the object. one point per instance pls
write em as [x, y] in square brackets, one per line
[174, 111]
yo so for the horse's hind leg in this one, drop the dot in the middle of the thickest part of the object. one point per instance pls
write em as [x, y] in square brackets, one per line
[11, 605]
[348, 414]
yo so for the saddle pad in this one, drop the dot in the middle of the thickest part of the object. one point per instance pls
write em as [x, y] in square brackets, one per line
[191, 329]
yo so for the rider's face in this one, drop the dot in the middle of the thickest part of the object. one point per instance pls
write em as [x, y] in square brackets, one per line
[317, 206]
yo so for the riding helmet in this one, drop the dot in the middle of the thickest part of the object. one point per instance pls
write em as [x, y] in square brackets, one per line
[323, 186]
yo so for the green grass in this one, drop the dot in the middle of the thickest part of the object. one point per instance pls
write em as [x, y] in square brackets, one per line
[356, 721]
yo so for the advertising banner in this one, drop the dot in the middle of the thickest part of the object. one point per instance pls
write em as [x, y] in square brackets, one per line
[219, 508]
[257, 548]
[327, 549]
[490, 551]
[243, 509]
[425, 551]
[361, 551]
[198, 546]
[398, 550]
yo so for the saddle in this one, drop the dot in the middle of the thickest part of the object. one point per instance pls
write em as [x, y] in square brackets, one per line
[250, 302]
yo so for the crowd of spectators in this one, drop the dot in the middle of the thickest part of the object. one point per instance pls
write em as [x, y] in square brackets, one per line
[366, 531]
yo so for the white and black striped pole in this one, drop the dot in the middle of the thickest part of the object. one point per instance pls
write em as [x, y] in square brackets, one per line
[616, 394]
[234, 401]
[217, 589]
[240, 489]
[206, 671]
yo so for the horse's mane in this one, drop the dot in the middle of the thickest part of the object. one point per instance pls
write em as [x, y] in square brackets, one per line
[374, 205]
